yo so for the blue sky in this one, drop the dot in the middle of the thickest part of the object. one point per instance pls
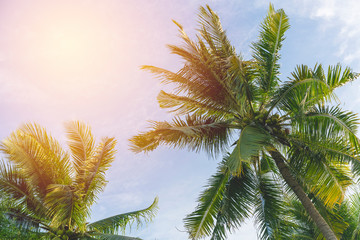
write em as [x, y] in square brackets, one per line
[94, 76]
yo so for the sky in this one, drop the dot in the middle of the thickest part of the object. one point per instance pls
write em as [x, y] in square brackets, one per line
[80, 60]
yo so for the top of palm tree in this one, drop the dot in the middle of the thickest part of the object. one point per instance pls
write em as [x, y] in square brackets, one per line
[56, 188]
[272, 128]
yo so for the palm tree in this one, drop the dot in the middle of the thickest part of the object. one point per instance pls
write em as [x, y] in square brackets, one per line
[54, 193]
[285, 131]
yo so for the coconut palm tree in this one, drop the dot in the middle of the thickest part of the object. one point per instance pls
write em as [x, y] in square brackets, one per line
[53, 189]
[285, 131]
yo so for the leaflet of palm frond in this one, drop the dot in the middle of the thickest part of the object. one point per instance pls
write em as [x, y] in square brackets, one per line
[119, 222]
[195, 133]
[337, 78]
[266, 50]
[252, 140]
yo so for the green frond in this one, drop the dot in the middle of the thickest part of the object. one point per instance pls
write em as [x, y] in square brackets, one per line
[202, 221]
[306, 229]
[115, 223]
[266, 50]
[306, 88]
[325, 177]
[236, 204]
[65, 207]
[269, 207]
[331, 122]
[242, 82]
[252, 140]
[337, 78]
[195, 133]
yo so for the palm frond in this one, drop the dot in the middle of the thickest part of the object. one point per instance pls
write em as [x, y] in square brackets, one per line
[30, 149]
[331, 122]
[325, 177]
[269, 207]
[266, 50]
[115, 223]
[15, 185]
[81, 143]
[195, 133]
[184, 105]
[95, 180]
[236, 204]
[306, 88]
[65, 207]
[214, 34]
[202, 221]
[336, 77]
[251, 141]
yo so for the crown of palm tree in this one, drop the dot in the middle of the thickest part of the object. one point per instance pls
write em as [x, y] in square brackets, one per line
[286, 132]
[55, 189]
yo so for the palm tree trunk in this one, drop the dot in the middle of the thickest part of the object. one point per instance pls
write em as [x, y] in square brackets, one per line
[302, 196]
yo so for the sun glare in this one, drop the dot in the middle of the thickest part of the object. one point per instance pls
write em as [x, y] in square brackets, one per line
[64, 43]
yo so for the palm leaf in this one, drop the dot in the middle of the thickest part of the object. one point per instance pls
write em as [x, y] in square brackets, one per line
[266, 50]
[236, 204]
[95, 170]
[27, 148]
[115, 223]
[184, 105]
[201, 222]
[336, 77]
[331, 122]
[251, 141]
[81, 144]
[195, 133]
[15, 185]
[268, 207]
[306, 88]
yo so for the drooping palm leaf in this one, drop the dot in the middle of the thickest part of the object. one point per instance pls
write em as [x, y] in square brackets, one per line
[236, 204]
[251, 141]
[202, 221]
[195, 133]
[119, 222]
